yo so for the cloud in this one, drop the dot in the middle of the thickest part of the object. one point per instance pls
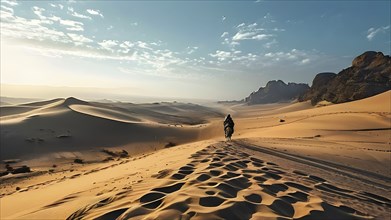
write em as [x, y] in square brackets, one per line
[30, 30]
[230, 43]
[143, 45]
[372, 32]
[60, 6]
[8, 9]
[191, 50]
[54, 18]
[305, 61]
[72, 25]
[126, 44]
[108, 44]
[295, 55]
[134, 24]
[221, 55]
[224, 34]
[9, 2]
[37, 36]
[270, 43]
[75, 14]
[38, 11]
[250, 32]
[79, 39]
[72, 12]
[95, 12]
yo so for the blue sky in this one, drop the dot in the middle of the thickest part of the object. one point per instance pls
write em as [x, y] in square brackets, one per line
[185, 49]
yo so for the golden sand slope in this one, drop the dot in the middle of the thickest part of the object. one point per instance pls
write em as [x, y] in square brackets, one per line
[218, 181]
[221, 182]
[329, 162]
[69, 125]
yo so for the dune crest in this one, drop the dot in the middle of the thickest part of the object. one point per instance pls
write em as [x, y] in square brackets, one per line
[126, 161]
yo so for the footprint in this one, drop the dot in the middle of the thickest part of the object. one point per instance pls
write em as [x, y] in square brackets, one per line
[211, 201]
[228, 159]
[216, 159]
[152, 200]
[185, 172]
[300, 196]
[259, 179]
[204, 161]
[230, 167]
[210, 192]
[230, 175]
[239, 182]
[274, 188]
[283, 208]
[251, 171]
[203, 177]
[112, 215]
[162, 173]
[256, 164]
[239, 164]
[317, 179]
[215, 172]
[227, 191]
[215, 165]
[256, 160]
[187, 167]
[272, 175]
[298, 186]
[169, 189]
[212, 183]
[178, 176]
[254, 198]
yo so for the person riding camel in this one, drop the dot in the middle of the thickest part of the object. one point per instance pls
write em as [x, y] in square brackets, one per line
[228, 127]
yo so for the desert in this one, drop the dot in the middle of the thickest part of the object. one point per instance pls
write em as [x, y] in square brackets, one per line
[204, 110]
[320, 163]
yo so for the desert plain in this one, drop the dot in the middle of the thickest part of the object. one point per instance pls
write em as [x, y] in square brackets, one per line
[170, 160]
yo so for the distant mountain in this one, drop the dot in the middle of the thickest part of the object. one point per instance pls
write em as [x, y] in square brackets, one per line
[15, 101]
[277, 91]
[370, 74]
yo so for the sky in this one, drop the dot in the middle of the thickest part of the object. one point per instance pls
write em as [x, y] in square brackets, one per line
[219, 50]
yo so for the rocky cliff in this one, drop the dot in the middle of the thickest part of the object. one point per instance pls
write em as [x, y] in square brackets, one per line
[370, 74]
[276, 91]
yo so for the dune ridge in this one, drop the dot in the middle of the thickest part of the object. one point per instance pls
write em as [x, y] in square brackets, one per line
[286, 161]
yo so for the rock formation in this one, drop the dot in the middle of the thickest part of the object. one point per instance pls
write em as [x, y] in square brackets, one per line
[277, 91]
[370, 74]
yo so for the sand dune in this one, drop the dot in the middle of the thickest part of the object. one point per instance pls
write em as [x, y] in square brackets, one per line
[197, 181]
[75, 125]
[221, 182]
[287, 161]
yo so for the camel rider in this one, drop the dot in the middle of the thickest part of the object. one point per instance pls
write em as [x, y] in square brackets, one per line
[228, 122]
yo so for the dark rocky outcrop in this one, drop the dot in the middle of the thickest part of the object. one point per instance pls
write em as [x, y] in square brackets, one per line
[370, 74]
[277, 91]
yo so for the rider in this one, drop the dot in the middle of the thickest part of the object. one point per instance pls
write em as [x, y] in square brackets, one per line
[228, 122]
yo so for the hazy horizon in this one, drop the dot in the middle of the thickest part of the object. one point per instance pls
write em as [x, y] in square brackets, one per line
[17, 95]
[184, 50]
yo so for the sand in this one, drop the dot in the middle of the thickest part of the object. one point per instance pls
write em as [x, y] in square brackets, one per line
[286, 161]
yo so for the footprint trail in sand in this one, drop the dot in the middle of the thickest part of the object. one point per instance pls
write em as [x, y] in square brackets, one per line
[222, 182]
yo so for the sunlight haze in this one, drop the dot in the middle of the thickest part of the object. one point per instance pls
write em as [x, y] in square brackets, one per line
[219, 50]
